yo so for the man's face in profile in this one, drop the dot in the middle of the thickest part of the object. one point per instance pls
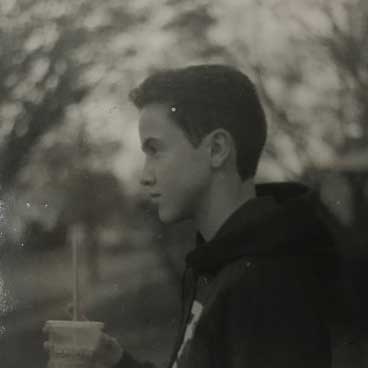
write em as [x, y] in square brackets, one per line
[176, 175]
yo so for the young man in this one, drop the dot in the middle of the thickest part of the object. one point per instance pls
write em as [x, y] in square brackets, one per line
[252, 292]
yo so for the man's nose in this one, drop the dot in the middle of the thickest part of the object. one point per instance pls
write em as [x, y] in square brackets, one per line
[147, 177]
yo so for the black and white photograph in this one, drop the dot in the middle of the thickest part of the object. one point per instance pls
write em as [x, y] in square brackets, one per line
[183, 183]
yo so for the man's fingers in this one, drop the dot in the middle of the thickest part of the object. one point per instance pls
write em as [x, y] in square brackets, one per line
[105, 342]
[47, 346]
[108, 350]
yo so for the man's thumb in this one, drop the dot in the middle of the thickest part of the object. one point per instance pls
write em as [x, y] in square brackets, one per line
[70, 312]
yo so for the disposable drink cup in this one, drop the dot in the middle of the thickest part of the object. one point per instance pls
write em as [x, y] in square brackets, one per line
[72, 343]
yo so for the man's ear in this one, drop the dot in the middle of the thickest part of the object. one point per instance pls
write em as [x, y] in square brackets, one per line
[220, 144]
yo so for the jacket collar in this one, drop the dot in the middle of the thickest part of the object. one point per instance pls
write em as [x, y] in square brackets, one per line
[280, 221]
[224, 247]
[247, 214]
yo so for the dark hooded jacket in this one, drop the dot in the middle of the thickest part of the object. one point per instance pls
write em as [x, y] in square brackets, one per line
[264, 284]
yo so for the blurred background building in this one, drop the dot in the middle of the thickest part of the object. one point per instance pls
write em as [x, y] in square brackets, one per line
[69, 150]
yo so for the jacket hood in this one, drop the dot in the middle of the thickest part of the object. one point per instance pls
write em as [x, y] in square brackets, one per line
[285, 219]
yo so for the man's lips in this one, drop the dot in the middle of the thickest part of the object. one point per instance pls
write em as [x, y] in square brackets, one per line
[155, 195]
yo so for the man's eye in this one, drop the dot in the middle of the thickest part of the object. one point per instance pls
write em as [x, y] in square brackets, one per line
[152, 151]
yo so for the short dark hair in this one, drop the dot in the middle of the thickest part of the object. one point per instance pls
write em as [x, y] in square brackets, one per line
[203, 98]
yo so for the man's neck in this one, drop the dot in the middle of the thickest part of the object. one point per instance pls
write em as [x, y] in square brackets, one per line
[223, 200]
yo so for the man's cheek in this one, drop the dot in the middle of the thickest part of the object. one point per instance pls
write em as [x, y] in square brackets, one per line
[166, 174]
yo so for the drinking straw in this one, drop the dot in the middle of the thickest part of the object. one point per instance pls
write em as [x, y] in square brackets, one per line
[76, 240]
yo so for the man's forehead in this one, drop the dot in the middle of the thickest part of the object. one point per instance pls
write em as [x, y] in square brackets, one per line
[154, 120]
[155, 110]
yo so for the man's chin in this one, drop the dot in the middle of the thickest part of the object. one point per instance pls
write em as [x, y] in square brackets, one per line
[169, 218]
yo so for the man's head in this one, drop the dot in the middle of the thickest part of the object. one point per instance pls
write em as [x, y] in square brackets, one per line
[196, 122]
[206, 97]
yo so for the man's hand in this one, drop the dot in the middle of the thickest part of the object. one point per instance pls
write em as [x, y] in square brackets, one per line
[108, 352]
